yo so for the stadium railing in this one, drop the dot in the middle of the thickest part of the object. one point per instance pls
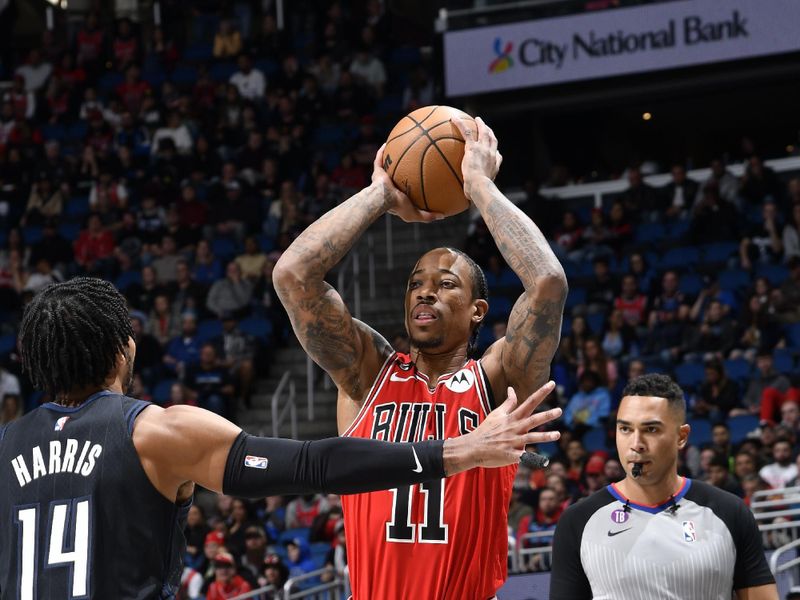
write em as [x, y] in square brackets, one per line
[524, 551]
[778, 527]
[337, 589]
[280, 408]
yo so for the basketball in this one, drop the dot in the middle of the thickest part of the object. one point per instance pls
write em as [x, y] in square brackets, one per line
[423, 157]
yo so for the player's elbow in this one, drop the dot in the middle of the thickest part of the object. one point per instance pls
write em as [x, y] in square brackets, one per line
[553, 285]
[285, 275]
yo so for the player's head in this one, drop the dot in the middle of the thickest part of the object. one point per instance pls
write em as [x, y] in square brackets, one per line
[446, 301]
[76, 335]
[651, 426]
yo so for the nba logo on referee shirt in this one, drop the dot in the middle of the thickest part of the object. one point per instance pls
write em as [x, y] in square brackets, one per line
[255, 462]
[62, 421]
[689, 534]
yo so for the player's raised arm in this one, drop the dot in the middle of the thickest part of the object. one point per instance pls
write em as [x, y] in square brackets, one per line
[184, 443]
[522, 358]
[350, 351]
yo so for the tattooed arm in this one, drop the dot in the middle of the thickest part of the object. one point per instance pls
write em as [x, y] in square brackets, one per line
[522, 359]
[350, 351]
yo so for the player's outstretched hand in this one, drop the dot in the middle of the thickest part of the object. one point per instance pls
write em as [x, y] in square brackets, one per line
[501, 439]
[399, 204]
[481, 158]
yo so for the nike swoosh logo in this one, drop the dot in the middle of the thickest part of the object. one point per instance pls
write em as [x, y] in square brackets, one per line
[416, 460]
[613, 533]
[394, 377]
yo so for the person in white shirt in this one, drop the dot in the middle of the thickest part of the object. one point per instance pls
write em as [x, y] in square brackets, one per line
[35, 71]
[177, 132]
[248, 80]
[370, 70]
[779, 473]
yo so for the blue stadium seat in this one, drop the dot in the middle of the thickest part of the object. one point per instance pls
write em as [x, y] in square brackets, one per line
[154, 75]
[681, 259]
[792, 333]
[7, 344]
[700, 433]
[677, 229]
[109, 81]
[54, 131]
[77, 131]
[161, 392]
[783, 360]
[566, 325]
[740, 426]
[257, 327]
[390, 104]
[690, 284]
[647, 233]
[266, 243]
[184, 75]
[596, 322]
[224, 248]
[775, 274]
[690, 375]
[738, 369]
[77, 207]
[719, 252]
[221, 72]
[69, 231]
[208, 330]
[298, 532]
[485, 337]
[268, 67]
[32, 234]
[319, 551]
[575, 297]
[499, 308]
[594, 439]
[509, 279]
[127, 279]
[405, 56]
[734, 279]
[199, 52]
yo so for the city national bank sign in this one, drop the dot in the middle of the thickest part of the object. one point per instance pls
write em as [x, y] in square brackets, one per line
[617, 42]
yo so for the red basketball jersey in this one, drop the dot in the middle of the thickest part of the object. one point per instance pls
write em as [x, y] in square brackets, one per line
[441, 539]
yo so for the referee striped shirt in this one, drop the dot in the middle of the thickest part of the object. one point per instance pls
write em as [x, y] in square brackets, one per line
[702, 546]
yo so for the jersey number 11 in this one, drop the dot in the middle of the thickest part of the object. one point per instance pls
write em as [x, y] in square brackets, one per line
[432, 530]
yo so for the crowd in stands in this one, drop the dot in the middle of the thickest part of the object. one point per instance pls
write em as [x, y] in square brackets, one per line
[180, 160]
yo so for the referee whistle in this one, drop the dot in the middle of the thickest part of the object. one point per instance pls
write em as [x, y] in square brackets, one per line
[636, 471]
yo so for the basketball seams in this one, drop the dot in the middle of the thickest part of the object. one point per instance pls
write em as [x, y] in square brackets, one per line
[422, 176]
[410, 118]
[426, 133]
[423, 132]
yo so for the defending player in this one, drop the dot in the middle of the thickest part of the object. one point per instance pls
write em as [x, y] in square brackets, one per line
[452, 535]
[97, 484]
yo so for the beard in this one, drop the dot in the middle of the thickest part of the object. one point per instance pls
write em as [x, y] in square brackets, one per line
[426, 344]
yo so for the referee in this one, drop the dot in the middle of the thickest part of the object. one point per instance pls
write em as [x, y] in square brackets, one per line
[655, 534]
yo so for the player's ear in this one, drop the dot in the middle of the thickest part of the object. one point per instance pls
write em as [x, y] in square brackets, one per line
[480, 308]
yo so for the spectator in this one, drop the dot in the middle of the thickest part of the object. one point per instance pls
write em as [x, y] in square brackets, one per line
[783, 469]
[180, 395]
[227, 40]
[276, 574]
[238, 353]
[42, 276]
[94, 246]
[207, 269]
[644, 273]
[89, 43]
[210, 384]
[712, 291]
[600, 292]
[590, 405]
[133, 90]
[183, 351]
[759, 183]
[336, 559]
[788, 305]
[744, 465]
[542, 522]
[568, 237]
[369, 70]
[298, 558]
[790, 237]
[714, 219]
[790, 416]
[764, 378]
[35, 72]
[252, 262]
[716, 334]
[419, 90]
[44, 202]
[323, 529]
[149, 354]
[125, 47]
[725, 182]
[238, 522]
[195, 533]
[719, 476]
[302, 511]
[595, 360]
[231, 294]
[252, 562]
[639, 200]
[717, 395]
[763, 242]
[631, 303]
[11, 408]
[678, 195]
[187, 295]
[166, 265]
[226, 583]
[142, 296]
[249, 81]
[176, 131]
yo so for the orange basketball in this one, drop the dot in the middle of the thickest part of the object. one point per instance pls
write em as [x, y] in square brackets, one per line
[423, 157]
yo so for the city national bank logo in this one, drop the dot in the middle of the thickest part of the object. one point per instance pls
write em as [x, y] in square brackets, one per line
[503, 62]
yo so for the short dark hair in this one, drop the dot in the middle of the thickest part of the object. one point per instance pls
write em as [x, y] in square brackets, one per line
[72, 333]
[719, 460]
[480, 290]
[659, 386]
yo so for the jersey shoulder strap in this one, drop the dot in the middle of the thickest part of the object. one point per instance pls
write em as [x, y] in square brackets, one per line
[132, 408]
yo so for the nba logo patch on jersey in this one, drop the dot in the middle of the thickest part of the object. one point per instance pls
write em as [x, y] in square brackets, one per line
[461, 381]
[255, 462]
[61, 423]
[689, 534]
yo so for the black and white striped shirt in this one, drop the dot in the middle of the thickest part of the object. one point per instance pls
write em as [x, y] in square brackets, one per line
[700, 546]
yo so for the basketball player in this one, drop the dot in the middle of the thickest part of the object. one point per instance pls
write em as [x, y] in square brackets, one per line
[96, 484]
[655, 534]
[452, 535]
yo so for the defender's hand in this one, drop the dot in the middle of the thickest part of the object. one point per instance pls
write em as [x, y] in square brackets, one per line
[481, 158]
[501, 439]
[397, 202]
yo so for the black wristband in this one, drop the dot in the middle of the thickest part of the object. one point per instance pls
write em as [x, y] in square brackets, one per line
[258, 467]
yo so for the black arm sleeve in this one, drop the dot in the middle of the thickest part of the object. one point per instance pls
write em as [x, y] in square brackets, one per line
[259, 467]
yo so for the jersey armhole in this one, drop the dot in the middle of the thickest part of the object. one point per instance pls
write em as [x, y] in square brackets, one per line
[490, 404]
[133, 411]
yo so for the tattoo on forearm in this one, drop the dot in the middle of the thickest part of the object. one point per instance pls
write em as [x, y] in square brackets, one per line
[533, 335]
